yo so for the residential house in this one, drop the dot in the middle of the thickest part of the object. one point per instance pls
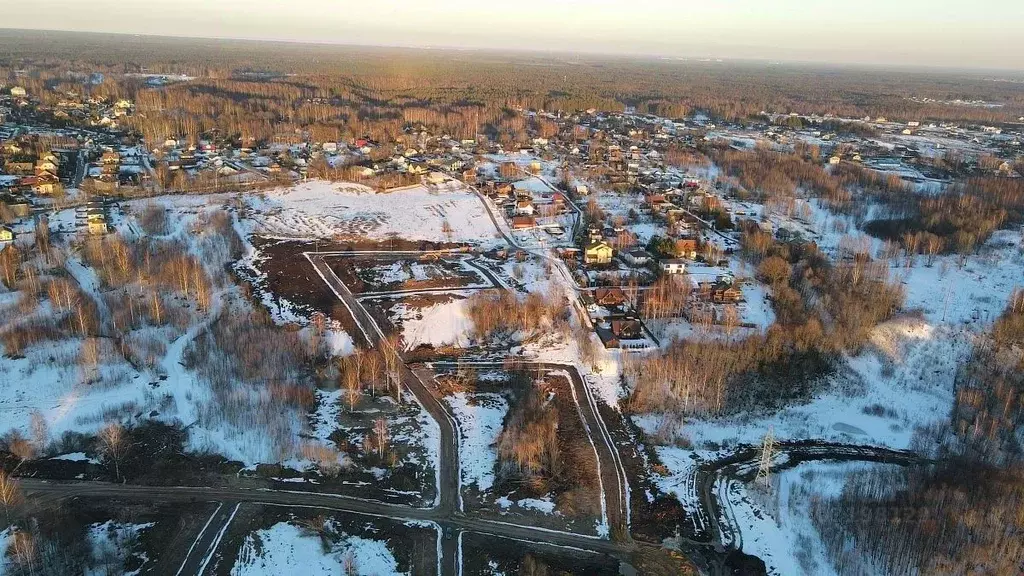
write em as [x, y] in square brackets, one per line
[47, 184]
[508, 170]
[48, 163]
[20, 167]
[673, 266]
[627, 328]
[6, 234]
[523, 222]
[686, 247]
[524, 207]
[623, 333]
[609, 297]
[598, 253]
[18, 92]
[96, 227]
[636, 258]
[719, 292]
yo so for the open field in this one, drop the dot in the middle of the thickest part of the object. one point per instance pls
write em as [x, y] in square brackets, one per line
[319, 209]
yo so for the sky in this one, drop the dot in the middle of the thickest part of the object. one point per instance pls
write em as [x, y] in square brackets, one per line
[948, 33]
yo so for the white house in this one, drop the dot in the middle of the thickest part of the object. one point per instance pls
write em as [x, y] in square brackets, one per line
[637, 257]
[524, 208]
[674, 266]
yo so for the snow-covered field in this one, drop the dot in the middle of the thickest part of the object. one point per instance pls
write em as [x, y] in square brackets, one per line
[976, 293]
[441, 324]
[286, 549]
[69, 395]
[775, 524]
[320, 209]
[480, 419]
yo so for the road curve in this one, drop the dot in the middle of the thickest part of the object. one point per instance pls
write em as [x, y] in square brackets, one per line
[744, 461]
[613, 476]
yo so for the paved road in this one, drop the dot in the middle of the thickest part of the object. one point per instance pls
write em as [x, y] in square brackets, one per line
[448, 473]
[556, 262]
[613, 475]
[233, 496]
[372, 334]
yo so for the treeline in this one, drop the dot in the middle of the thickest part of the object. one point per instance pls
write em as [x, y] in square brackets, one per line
[337, 89]
[147, 282]
[528, 447]
[822, 309]
[542, 451]
[963, 217]
[988, 412]
[959, 219]
[959, 517]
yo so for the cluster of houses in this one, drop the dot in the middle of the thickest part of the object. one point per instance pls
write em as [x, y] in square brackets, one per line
[73, 107]
[94, 217]
[31, 168]
[615, 321]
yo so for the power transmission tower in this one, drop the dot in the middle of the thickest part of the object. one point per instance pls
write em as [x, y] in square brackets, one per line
[767, 453]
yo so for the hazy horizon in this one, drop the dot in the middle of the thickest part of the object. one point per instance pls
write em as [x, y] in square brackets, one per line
[983, 35]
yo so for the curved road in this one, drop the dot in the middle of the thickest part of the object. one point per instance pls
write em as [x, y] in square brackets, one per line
[744, 462]
[447, 513]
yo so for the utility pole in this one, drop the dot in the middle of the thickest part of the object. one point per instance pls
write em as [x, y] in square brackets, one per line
[767, 452]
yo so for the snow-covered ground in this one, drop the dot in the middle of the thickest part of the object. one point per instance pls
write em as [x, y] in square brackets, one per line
[905, 380]
[285, 549]
[320, 209]
[112, 544]
[480, 419]
[441, 324]
[977, 292]
[6, 539]
[775, 524]
[901, 381]
[72, 396]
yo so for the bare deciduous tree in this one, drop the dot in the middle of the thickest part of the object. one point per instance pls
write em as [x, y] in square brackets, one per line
[114, 445]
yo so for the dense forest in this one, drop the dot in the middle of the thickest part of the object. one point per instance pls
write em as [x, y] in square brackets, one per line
[277, 90]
